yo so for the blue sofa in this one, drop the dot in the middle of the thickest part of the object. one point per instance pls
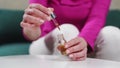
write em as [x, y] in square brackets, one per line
[12, 41]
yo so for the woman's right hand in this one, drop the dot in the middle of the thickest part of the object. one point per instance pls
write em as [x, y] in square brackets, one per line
[33, 17]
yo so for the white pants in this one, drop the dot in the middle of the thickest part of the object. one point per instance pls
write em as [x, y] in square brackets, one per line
[107, 43]
[48, 43]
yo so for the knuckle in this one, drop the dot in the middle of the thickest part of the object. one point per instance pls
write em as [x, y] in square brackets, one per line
[46, 17]
[32, 5]
[71, 49]
[29, 11]
[32, 10]
[75, 55]
[25, 16]
[37, 19]
[78, 46]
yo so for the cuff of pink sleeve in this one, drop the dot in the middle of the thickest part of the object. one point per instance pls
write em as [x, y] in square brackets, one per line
[90, 43]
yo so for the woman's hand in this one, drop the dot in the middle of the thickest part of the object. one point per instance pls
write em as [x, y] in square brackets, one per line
[77, 48]
[33, 17]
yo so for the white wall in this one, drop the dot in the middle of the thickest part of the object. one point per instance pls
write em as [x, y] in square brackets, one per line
[22, 4]
[13, 4]
[115, 4]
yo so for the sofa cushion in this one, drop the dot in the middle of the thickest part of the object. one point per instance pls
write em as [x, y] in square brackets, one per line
[10, 30]
[113, 18]
[14, 49]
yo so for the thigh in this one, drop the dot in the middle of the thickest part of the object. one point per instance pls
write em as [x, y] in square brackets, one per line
[108, 43]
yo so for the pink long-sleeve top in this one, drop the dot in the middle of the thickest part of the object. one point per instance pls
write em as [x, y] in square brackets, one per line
[89, 16]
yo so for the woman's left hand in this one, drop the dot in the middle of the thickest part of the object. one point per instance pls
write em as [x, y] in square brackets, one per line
[76, 49]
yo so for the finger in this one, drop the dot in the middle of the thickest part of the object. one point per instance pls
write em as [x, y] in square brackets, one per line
[28, 11]
[37, 13]
[32, 19]
[75, 48]
[50, 10]
[40, 7]
[78, 54]
[81, 58]
[72, 42]
[24, 25]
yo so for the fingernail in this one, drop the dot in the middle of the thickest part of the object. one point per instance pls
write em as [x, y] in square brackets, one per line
[48, 18]
[49, 11]
[67, 51]
[41, 21]
[71, 56]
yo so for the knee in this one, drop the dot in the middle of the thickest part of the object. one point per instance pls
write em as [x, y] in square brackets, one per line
[110, 30]
[69, 31]
[108, 43]
[109, 36]
[69, 28]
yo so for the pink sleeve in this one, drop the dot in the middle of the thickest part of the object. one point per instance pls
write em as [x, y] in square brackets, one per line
[43, 2]
[96, 21]
[47, 27]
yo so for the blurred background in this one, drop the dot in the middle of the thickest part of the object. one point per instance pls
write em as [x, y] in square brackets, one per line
[22, 4]
[115, 4]
[13, 4]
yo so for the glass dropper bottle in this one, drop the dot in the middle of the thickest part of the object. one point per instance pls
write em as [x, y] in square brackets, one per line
[61, 39]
